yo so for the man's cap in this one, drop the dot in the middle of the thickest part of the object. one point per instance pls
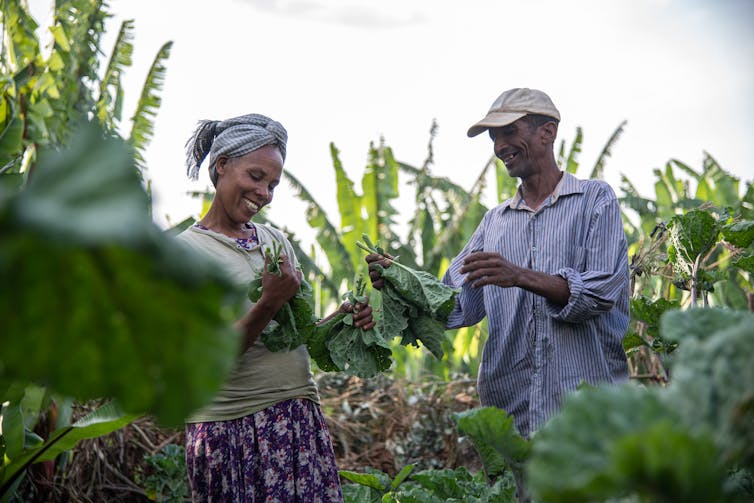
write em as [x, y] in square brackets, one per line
[512, 105]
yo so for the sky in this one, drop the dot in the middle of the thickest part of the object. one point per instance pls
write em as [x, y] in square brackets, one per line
[352, 72]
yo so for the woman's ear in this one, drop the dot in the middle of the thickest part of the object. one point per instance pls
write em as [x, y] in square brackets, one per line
[221, 164]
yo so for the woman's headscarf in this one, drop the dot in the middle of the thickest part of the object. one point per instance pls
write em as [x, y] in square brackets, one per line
[232, 138]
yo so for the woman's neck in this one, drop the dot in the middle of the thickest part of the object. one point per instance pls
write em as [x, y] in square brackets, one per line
[226, 226]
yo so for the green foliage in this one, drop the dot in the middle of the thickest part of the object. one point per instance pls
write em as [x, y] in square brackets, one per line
[317, 343]
[599, 165]
[648, 313]
[595, 449]
[674, 443]
[496, 438]
[427, 486]
[111, 306]
[45, 94]
[165, 477]
[149, 103]
[692, 235]
[740, 233]
[110, 101]
[21, 452]
[415, 305]
[294, 323]
[355, 351]
[713, 378]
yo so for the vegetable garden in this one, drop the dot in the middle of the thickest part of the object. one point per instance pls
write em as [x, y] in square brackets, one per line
[96, 375]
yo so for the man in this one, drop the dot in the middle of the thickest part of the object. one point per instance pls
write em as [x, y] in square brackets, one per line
[548, 268]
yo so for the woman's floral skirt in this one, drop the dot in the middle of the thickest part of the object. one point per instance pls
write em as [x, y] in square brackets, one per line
[281, 454]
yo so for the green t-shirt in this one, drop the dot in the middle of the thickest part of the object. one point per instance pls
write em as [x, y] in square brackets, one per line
[261, 378]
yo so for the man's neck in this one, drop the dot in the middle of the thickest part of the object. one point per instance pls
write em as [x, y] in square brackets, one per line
[536, 188]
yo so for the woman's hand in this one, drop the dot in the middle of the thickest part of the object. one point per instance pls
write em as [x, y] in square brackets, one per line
[277, 289]
[374, 275]
[362, 314]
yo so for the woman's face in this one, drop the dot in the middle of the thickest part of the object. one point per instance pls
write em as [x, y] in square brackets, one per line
[246, 184]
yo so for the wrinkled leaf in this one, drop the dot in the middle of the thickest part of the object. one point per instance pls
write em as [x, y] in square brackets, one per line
[745, 262]
[692, 234]
[596, 448]
[713, 378]
[740, 234]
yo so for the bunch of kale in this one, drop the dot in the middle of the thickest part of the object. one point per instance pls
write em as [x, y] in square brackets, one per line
[335, 343]
[415, 304]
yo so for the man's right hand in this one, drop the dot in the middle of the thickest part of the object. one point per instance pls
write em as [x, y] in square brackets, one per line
[374, 275]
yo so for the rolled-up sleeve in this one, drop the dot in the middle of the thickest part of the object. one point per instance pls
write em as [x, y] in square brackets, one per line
[599, 286]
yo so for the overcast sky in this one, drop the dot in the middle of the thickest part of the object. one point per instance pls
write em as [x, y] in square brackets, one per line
[349, 72]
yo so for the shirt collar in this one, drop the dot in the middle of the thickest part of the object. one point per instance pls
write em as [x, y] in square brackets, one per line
[567, 185]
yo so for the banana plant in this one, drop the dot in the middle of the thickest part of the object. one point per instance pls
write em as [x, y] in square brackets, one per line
[44, 95]
[47, 91]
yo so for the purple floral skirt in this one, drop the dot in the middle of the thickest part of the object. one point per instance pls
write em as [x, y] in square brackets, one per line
[280, 454]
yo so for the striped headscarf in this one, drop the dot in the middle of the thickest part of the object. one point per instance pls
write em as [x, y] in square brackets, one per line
[232, 138]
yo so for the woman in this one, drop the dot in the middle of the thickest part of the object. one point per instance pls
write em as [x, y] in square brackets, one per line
[263, 438]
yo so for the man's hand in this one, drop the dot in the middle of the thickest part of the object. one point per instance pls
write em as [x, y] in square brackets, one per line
[486, 268]
[374, 275]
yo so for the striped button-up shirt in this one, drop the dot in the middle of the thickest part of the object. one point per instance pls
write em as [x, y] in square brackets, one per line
[537, 351]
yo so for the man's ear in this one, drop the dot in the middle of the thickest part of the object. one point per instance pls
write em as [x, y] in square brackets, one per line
[549, 132]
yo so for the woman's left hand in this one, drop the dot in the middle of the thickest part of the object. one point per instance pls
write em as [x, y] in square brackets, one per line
[362, 314]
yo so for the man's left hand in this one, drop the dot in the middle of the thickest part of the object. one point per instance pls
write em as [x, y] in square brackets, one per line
[486, 268]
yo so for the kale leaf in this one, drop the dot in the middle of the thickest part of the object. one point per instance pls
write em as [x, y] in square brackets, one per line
[415, 304]
[355, 351]
[294, 324]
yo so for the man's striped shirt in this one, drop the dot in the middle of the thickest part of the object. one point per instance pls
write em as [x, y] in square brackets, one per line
[536, 350]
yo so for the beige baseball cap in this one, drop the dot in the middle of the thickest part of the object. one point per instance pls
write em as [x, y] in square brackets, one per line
[512, 105]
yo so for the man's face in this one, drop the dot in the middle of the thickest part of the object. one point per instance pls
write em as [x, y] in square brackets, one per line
[519, 146]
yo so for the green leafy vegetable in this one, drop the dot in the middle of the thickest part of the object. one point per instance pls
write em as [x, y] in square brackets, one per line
[335, 344]
[295, 321]
[415, 304]
[622, 440]
[317, 344]
[359, 352]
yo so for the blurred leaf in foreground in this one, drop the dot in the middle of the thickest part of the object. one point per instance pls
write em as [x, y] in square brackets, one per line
[96, 300]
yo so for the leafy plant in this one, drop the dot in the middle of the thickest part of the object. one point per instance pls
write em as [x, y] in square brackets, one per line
[500, 445]
[295, 322]
[415, 304]
[674, 443]
[20, 449]
[133, 312]
[112, 306]
[164, 479]
[427, 486]
[356, 351]
[444, 485]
